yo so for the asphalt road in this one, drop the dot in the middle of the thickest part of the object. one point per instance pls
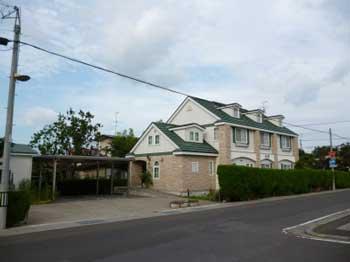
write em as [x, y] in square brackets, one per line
[247, 233]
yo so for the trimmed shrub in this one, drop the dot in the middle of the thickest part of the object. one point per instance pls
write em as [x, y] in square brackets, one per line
[87, 186]
[18, 207]
[244, 183]
[146, 179]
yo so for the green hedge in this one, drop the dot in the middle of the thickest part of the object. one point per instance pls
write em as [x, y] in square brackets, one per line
[18, 207]
[87, 186]
[244, 183]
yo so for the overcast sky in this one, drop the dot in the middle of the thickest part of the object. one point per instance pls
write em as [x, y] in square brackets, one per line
[293, 54]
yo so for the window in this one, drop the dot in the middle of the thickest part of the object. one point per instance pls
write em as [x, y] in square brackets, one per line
[266, 163]
[195, 167]
[156, 139]
[285, 165]
[156, 173]
[211, 168]
[216, 133]
[260, 118]
[265, 140]
[241, 136]
[191, 135]
[236, 112]
[285, 142]
[150, 140]
[196, 136]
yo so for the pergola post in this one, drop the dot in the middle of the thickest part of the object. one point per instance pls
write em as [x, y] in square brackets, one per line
[40, 178]
[128, 182]
[54, 179]
[97, 177]
[112, 176]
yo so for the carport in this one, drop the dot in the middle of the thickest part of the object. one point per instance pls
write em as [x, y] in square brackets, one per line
[113, 168]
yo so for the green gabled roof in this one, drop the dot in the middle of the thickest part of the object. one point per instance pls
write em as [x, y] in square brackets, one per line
[22, 149]
[212, 106]
[182, 144]
[18, 148]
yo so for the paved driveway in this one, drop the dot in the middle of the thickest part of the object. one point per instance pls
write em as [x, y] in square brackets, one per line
[141, 203]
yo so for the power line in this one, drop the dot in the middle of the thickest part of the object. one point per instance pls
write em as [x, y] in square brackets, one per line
[322, 139]
[305, 126]
[326, 123]
[316, 130]
[104, 69]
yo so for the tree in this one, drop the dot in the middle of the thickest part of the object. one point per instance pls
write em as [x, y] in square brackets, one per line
[306, 160]
[123, 142]
[72, 133]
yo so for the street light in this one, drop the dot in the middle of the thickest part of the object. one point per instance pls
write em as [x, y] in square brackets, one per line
[22, 78]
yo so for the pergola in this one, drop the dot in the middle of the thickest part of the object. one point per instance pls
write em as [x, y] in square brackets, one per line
[114, 163]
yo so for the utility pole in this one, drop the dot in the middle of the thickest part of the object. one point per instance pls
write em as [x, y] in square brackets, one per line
[331, 150]
[4, 186]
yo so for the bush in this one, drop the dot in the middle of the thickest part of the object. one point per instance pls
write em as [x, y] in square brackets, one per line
[18, 207]
[146, 179]
[244, 183]
[87, 186]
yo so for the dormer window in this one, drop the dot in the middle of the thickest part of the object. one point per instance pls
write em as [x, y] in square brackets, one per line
[194, 136]
[260, 118]
[236, 112]
[255, 115]
[232, 109]
[276, 120]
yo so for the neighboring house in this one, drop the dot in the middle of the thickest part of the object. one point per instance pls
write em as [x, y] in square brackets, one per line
[105, 145]
[20, 163]
[183, 153]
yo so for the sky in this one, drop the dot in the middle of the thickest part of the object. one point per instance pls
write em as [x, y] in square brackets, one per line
[291, 56]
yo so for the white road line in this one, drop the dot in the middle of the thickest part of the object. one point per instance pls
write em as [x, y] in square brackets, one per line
[306, 236]
[315, 220]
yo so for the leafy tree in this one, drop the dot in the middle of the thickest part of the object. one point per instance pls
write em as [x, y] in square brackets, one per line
[72, 133]
[123, 142]
[306, 160]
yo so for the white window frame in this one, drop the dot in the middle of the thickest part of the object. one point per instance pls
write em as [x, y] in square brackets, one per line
[150, 140]
[211, 167]
[239, 141]
[286, 142]
[191, 135]
[260, 118]
[236, 112]
[265, 134]
[196, 136]
[157, 139]
[156, 166]
[195, 167]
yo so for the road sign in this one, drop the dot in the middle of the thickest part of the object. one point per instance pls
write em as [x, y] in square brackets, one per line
[331, 154]
[332, 163]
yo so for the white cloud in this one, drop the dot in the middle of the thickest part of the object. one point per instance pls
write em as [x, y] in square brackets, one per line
[38, 116]
[294, 54]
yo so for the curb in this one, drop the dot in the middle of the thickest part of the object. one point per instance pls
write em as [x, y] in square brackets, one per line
[307, 229]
